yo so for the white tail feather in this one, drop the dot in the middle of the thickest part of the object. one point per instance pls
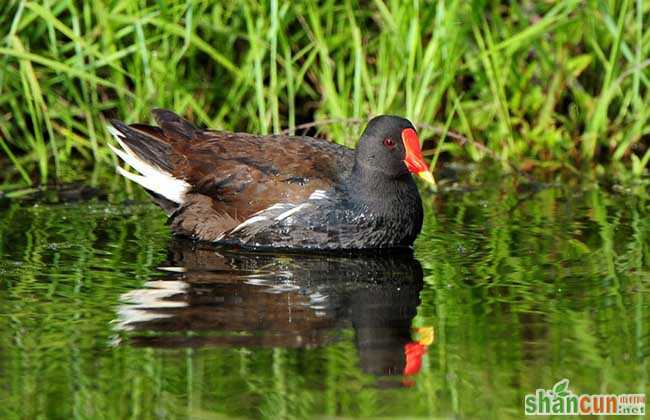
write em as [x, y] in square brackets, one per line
[153, 178]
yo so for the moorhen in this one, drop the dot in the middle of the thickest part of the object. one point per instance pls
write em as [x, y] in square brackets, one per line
[280, 192]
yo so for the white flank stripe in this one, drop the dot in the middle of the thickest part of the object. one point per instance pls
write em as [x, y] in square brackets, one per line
[152, 178]
[318, 195]
[277, 206]
[263, 215]
[292, 211]
[248, 222]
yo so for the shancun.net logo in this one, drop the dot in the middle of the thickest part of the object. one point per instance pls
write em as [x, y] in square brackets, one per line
[562, 401]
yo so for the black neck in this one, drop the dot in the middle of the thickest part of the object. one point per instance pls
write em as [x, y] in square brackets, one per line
[383, 192]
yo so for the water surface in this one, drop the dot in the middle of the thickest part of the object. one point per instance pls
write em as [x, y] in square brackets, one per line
[513, 286]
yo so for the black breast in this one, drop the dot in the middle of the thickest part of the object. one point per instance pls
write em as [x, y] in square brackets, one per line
[342, 219]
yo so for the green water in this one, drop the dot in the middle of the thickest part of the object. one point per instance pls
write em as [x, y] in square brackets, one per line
[518, 284]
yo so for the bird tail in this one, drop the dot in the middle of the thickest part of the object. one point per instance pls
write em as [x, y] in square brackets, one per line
[148, 150]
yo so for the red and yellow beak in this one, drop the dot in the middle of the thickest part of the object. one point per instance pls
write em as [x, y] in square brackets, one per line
[414, 351]
[414, 160]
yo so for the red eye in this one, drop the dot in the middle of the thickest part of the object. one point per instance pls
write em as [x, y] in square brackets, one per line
[389, 143]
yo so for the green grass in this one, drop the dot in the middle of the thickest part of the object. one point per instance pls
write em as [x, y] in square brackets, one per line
[551, 84]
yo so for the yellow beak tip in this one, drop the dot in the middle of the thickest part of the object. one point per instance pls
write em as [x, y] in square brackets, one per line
[428, 177]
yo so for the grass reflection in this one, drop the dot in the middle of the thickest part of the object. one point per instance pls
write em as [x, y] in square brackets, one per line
[524, 284]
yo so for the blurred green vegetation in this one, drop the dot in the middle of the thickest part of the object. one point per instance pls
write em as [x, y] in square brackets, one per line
[531, 83]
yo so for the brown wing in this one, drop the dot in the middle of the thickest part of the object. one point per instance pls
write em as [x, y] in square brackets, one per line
[233, 175]
[260, 170]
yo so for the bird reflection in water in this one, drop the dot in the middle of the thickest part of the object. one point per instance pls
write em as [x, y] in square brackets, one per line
[228, 298]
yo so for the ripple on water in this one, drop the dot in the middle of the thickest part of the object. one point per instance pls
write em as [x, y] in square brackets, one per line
[513, 286]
